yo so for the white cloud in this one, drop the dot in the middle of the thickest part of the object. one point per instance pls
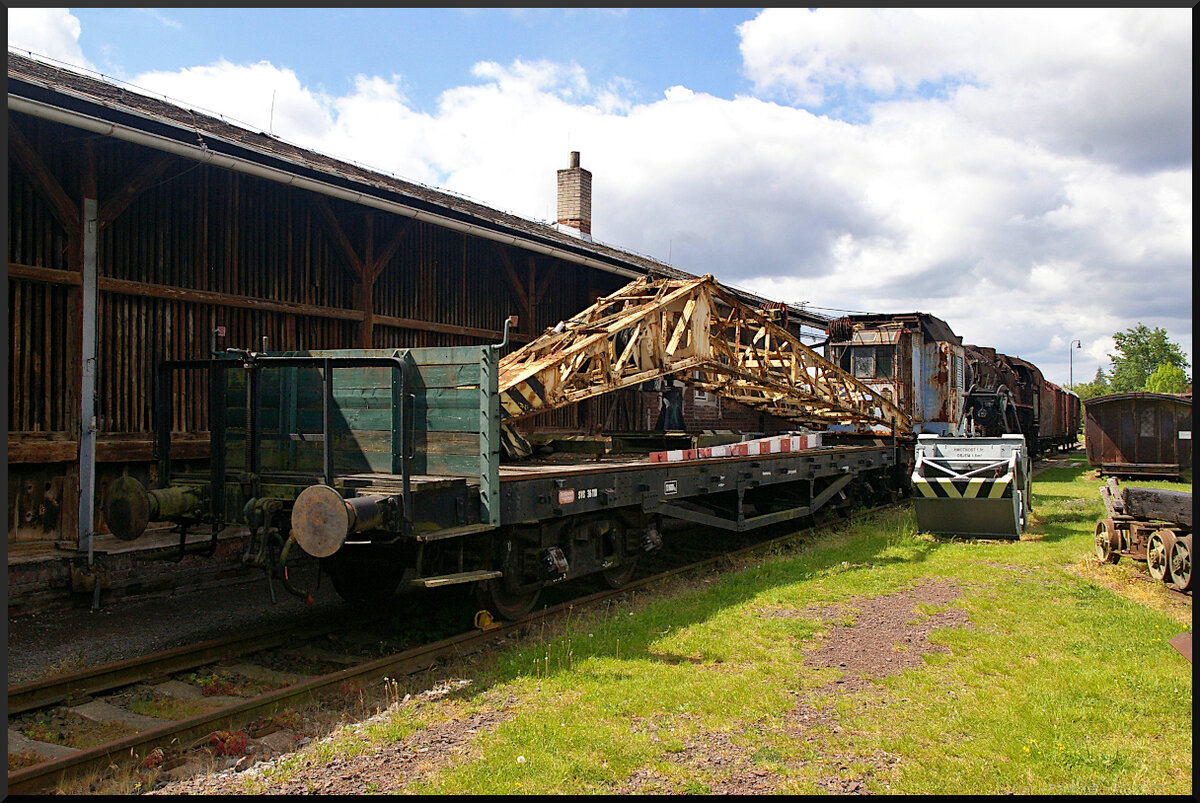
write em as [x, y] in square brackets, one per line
[161, 19]
[258, 96]
[1114, 85]
[52, 32]
[977, 205]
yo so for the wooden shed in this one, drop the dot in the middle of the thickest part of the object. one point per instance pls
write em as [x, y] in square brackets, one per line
[138, 228]
[1139, 434]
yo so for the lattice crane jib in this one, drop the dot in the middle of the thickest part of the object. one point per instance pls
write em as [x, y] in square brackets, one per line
[699, 333]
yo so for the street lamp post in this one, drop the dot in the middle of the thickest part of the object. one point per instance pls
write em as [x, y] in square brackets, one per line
[1071, 361]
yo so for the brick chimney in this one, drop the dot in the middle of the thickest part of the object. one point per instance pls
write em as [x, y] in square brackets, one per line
[575, 199]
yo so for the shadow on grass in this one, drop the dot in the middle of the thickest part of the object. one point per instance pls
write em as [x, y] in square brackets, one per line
[801, 560]
[808, 559]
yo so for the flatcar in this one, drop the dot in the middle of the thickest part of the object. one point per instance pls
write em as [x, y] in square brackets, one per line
[384, 466]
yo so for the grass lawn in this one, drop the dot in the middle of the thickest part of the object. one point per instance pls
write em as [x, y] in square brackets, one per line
[1054, 677]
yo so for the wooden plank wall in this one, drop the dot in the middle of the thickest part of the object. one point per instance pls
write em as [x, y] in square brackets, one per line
[185, 247]
[446, 414]
[364, 421]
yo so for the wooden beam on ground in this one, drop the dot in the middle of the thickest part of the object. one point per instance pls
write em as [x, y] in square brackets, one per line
[1157, 504]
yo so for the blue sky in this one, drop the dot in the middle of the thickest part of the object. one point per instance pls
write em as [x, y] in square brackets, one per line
[434, 49]
[1026, 175]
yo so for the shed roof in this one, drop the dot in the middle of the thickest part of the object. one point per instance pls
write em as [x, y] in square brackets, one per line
[1152, 398]
[934, 328]
[80, 96]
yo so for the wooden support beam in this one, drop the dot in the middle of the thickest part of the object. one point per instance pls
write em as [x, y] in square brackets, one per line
[364, 288]
[331, 222]
[126, 287]
[515, 283]
[27, 158]
[490, 335]
[38, 448]
[131, 288]
[364, 301]
[141, 181]
[543, 285]
[403, 227]
[365, 268]
[35, 273]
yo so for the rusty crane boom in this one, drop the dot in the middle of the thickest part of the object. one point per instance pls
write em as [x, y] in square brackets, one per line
[700, 333]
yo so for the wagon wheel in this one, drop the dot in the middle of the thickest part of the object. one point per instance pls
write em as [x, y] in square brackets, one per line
[1157, 550]
[1108, 541]
[1180, 563]
[618, 576]
[506, 604]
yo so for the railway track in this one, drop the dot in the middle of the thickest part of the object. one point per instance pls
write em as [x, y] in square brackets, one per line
[92, 690]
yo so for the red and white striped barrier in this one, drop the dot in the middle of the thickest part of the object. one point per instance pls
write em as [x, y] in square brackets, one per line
[773, 445]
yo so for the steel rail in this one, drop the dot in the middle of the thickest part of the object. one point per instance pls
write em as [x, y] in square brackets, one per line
[44, 692]
[41, 776]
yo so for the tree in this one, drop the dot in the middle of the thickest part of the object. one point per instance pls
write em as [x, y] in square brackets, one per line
[1167, 378]
[1140, 351]
[1097, 387]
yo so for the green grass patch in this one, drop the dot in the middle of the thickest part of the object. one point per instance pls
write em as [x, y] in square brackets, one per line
[71, 730]
[1062, 683]
[169, 707]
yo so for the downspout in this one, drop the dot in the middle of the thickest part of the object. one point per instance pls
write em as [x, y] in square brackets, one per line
[87, 392]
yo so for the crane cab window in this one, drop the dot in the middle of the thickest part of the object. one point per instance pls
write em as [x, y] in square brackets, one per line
[872, 362]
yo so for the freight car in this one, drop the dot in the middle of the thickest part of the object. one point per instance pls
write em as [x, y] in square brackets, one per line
[1054, 412]
[944, 387]
[1010, 395]
[385, 465]
[1139, 434]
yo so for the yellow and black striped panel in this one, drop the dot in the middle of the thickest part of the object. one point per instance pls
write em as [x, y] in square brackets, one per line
[523, 398]
[978, 488]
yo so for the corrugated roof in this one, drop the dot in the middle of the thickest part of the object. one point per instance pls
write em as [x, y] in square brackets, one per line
[934, 327]
[37, 80]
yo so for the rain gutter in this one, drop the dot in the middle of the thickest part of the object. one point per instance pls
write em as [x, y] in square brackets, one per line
[207, 154]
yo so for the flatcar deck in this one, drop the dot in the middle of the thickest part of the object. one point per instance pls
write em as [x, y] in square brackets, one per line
[550, 491]
[572, 466]
[563, 485]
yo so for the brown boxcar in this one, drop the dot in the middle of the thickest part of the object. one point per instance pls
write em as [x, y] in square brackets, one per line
[1066, 417]
[1132, 434]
